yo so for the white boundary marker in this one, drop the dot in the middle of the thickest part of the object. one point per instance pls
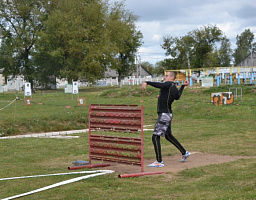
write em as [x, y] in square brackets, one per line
[58, 135]
[191, 153]
[57, 174]
[147, 125]
[8, 104]
[101, 172]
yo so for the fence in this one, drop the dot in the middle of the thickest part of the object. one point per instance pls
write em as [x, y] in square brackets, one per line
[126, 81]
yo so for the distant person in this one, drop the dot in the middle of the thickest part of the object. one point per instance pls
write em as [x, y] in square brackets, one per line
[168, 93]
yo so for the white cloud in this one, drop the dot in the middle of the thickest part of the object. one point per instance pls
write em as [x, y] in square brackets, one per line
[231, 29]
[156, 37]
[151, 54]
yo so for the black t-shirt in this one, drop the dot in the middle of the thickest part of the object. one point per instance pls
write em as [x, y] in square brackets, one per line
[168, 93]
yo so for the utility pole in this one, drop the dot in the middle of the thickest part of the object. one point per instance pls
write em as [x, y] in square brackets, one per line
[188, 60]
[251, 55]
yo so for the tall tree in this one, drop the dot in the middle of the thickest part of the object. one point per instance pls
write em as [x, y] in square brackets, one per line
[225, 52]
[205, 39]
[180, 50]
[212, 59]
[245, 45]
[19, 23]
[194, 49]
[75, 40]
[7, 61]
[125, 40]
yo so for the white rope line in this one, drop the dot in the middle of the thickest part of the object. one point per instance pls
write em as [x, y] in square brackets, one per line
[102, 172]
[58, 174]
[8, 104]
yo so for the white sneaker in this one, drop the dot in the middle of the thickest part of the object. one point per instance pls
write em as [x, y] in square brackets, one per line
[156, 164]
[184, 157]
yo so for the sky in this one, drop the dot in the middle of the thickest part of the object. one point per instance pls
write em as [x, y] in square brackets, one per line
[159, 18]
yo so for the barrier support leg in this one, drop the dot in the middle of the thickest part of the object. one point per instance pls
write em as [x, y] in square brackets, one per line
[89, 166]
[139, 174]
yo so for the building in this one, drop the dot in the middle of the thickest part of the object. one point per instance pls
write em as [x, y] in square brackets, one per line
[13, 84]
[141, 72]
[249, 61]
[2, 80]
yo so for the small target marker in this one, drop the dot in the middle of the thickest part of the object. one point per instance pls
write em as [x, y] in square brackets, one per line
[28, 101]
[81, 101]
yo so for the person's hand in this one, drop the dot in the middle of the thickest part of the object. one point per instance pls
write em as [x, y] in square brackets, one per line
[186, 83]
[143, 86]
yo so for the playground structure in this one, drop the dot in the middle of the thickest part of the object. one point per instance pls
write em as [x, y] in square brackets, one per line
[220, 75]
[127, 119]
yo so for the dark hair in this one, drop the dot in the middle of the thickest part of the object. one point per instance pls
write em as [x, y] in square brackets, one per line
[172, 74]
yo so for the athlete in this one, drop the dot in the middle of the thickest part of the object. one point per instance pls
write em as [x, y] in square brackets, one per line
[168, 93]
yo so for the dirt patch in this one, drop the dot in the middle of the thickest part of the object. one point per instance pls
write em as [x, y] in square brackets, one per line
[172, 165]
[253, 90]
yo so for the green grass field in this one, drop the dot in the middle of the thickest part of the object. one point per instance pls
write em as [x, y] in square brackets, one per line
[199, 125]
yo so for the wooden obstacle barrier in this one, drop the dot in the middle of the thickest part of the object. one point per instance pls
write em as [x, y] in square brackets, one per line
[116, 118]
[127, 119]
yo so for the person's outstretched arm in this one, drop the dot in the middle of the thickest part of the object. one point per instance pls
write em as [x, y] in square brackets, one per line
[156, 84]
[179, 92]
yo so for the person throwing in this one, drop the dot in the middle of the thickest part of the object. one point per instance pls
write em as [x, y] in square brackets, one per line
[168, 93]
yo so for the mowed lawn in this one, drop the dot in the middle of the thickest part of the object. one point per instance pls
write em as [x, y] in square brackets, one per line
[199, 125]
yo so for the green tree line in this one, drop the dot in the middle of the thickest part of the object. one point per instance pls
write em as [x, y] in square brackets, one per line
[78, 39]
[205, 47]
